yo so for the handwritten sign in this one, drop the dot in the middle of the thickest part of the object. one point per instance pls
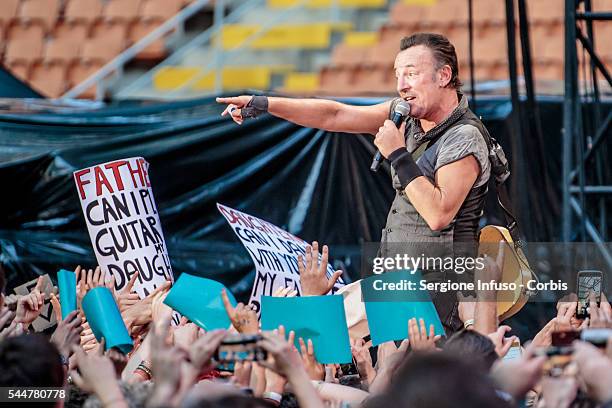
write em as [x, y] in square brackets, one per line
[123, 223]
[274, 252]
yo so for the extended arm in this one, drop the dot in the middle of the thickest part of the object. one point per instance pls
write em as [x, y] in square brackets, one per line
[316, 113]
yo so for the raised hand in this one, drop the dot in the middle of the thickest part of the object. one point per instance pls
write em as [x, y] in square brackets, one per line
[313, 278]
[57, 307]
[96, 374]
[418, 338]
[81, 287]
[140, 313]
[566, 314]
[95, 278]
[519, 375]
[502, 344]
[283, 291]
[185, 334]
[88, 339]
[242, 373]
[599, 316]
[30, 306]
[282, 357]
[315, 370]
[363, 360]
[13, 329]
[284, 360]
[68, 333]
[234, 106]
[125, 297]
[595, 370]
[544, 337]
[243, 318]
[203, 350]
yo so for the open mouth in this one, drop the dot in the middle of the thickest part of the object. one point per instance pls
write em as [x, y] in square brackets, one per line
[409, 98]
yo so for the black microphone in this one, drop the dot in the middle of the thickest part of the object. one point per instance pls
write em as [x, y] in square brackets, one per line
[402, 109]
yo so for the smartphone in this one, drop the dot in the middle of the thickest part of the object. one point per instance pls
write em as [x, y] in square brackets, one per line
[240, 347]
[514, 351]
[588, 282]
[558, 357]
[349, 368]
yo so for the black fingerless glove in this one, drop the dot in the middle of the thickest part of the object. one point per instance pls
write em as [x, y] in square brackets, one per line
[257, 106]
[405, 166]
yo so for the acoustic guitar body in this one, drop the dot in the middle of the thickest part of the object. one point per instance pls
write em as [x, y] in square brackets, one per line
[515, 269]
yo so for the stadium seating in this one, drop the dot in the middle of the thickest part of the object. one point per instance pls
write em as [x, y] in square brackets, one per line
[38, 37]
[55, 44]
[349, 72]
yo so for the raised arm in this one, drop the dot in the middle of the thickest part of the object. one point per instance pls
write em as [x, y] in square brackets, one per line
[315, 113]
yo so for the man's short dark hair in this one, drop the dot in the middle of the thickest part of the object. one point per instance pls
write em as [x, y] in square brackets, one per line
[30, 360]
[439, 380]
[473, 345]
[442, 49]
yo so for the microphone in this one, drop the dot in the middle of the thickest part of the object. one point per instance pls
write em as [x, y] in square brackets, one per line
[402, 109]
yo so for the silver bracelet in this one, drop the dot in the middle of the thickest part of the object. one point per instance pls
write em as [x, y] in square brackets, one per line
[468, 323]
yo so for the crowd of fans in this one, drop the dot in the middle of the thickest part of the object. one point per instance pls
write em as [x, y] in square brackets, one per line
[174, 365]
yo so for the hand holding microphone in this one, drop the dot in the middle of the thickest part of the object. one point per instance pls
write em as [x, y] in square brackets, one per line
[401, 111]
[394, 146]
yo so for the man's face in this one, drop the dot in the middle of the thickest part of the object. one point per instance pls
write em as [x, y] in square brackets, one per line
[417, 80]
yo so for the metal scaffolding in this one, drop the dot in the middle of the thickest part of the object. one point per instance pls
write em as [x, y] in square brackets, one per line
[586, 181]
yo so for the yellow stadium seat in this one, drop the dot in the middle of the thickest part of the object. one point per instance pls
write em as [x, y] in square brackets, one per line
[305, 36]
[421, 2]
[205, 82]
[328, 3]
[361, 38]
[236, 78]
[169, 78]
[301, 82]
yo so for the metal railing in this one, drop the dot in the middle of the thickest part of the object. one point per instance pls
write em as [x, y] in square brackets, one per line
[117, 64]
[219, 54]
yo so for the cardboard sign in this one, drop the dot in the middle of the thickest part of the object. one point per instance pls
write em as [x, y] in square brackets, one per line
[199, 299]
[105, 320]
[274, 252]
[47, 317]
[388, 312]
[318, 318]
[123, 223]
[66, 282]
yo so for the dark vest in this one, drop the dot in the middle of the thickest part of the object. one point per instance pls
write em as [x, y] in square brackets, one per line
[404, 224]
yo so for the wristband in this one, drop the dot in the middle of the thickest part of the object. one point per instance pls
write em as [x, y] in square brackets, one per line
[146, 370]
[405, 166]
[274, 396]
[256, 106]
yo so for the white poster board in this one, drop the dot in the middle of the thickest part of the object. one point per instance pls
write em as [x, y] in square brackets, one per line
[274, 252]
[123, 223]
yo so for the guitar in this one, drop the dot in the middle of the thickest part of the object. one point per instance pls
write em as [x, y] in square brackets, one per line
[515, 269]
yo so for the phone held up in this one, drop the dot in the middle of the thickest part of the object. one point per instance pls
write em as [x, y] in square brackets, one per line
[589, 282]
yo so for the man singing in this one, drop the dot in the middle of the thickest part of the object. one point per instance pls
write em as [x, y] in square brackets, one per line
[439, 157]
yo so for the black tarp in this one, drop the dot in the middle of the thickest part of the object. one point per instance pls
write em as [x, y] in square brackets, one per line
[316, 184]
[12, 87]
